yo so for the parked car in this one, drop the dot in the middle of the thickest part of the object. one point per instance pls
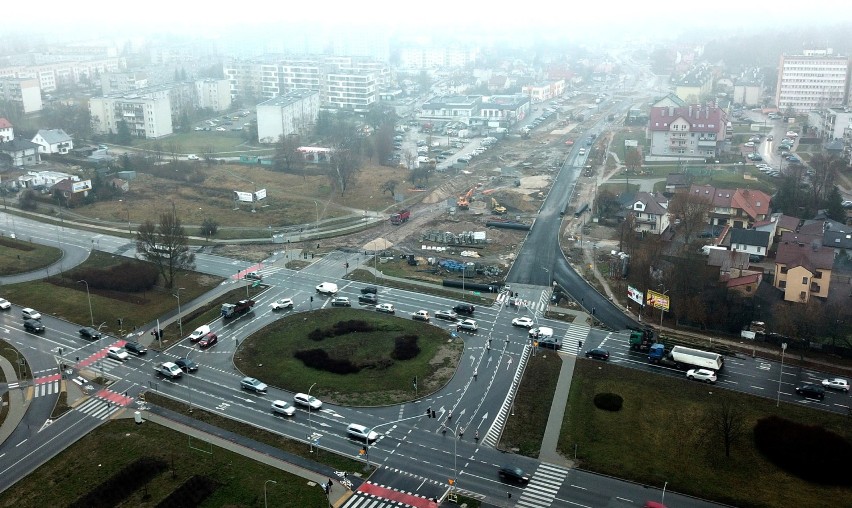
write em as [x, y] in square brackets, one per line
[4, 304]
[513, 474]
[361, 432]
[282, 407]
[33, 325]
[309, 401]
[387, 308]
[135, 348]
[220, 129]
[89, 333]
[524, 322]
[836, 384]
[199, 332]
[192, 157]
[706, 375]
[420, 315]
[253, 385]
[598, 354]
[209, 340]
[340, 301]
[447, 315]
[186, 364]
[117, 353]
[368, 298]
[811, 391]
[284, 303]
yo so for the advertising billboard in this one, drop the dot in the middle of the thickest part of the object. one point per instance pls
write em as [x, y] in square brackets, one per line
[658, 300]
[635, 295]
[83, 186]
[243, 196]
[260, 194]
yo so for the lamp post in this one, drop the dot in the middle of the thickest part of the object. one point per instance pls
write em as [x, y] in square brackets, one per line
[310, 424]
[663, 499]
[100, 338]
[316, 206]
[89, 298]
[180, 317]
[264, 491]
[662, 309]
[783, 348]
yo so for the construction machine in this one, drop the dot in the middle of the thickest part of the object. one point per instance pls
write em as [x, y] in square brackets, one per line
[464, 200]
[497, 208]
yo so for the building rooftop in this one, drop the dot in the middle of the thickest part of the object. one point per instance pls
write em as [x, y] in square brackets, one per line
[288, 98]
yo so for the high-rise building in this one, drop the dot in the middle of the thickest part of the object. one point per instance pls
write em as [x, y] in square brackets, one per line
[816, 79]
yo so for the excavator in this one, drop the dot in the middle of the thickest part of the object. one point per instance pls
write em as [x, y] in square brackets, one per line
[497, 208]
[464, 200]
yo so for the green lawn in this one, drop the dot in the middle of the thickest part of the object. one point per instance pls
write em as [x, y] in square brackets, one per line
[659, 436]
[228, 143]
[269, 355]
[110, 447]
[20, 255]
[525, 428]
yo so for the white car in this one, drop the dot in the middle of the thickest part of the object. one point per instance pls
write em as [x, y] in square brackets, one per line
[303, 399]
[283, 408]
[386, 308]
[199, 333]
[28, 313]
[706, 375]
[117, 353]
[420, 315]
[523, 321]
[4, 304]
[361, 432]
[193, 157]
[284, 303]
[220, 129]
[836, 384]
[327, 288]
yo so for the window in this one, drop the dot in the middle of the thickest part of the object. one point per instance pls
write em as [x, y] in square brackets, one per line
[782, 284]
[783, 269]
[803, 296]
[804, 280]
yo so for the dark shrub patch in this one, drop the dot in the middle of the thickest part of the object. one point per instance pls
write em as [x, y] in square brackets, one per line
[319, 359]
[405, 347]
[128, 277]
[122, 484]
[608, 401]
[352, 326]
[192, 493]
[319, 335]
[807, 451]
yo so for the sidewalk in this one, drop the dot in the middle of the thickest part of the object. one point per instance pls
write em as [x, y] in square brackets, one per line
[18, 403]
[550, 440]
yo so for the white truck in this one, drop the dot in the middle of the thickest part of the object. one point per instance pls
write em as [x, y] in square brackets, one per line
[684, 358]
[168, 369]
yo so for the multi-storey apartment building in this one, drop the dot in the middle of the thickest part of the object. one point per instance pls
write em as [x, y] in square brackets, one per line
[119, 82]
[292, 113]
[816, 79]
[22, 93]
[544, 91]
[803, 267]
[416, 57]
[830, 122]
[147, 114]
[354, 91]
[214, 94]
[686, 131]
[52, 75]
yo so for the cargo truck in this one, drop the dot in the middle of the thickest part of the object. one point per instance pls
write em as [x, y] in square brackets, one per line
[684, 358]
[232, 310]
[641, 340]
[400, 217]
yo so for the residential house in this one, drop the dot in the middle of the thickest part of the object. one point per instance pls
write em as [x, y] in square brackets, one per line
[750, 241]
[53, 141]
[44, 179]
[73, 191]
[678, 182]
[22, 152]
[7, 132]
[686, 132]
[741, 208]
[650, 212]
[803, 267]
[840, 239]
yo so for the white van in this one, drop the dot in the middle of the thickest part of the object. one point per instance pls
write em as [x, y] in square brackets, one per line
[327, 288]
[541, 333]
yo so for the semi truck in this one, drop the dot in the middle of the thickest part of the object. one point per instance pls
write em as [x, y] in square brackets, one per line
[168, 369]
[232, 310]
[400, 217]
[641, 340]
[683, 358]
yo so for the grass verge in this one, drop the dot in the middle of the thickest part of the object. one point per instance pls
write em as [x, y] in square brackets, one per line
[664, 426]
[111, 446]
[525, 429]
[270, 355]
[434, 289]
[18, 256]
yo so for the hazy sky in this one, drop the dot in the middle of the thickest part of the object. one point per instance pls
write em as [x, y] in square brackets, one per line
[567, 16]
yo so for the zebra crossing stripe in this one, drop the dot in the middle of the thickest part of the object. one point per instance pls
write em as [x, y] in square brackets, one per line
[543, 486]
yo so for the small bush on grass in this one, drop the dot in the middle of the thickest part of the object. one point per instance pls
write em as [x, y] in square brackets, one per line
[405, 347]
[608, 401]
[319, 359]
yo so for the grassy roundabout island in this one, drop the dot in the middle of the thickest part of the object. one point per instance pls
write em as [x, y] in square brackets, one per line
[355, 357]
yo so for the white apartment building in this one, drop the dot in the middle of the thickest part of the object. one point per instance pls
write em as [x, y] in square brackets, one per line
[23, 93]
[544, 91]
[831, 122]
[814, 80]
[354, 92]
[294, 112]
[685, 132]
[435, 57]
[52, 75]
[120, 82]
[461, 108]
[213, 93]
[148, 115]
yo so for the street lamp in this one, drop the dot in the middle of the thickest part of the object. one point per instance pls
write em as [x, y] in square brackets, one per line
[662, 309]
[316, 206]
[88, 297]
[783, 348]
[100, 344]
[663, 499]
[264, 490]
[180, 317]
[310, 424]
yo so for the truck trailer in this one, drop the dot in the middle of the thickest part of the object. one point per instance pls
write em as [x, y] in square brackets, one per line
[684, 358]
[400, 217]
[232, 310]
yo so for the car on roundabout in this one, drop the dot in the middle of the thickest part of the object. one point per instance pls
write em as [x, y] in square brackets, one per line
[186, 364]
[523, 322]
[282, 407]
[420, 315]
[253, 385]
[513, 474]
[447, 315]
[199, 333]
[283, 303]
[598, 354]
[308, 401]
[135, 348]
[387, 308]
[340, 301]
[209, 340]
[5, 304]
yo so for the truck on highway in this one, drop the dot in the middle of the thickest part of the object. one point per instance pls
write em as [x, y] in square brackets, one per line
[400, 217]
[232, 310]
[684, 358]
[641, 340]
[168, 369]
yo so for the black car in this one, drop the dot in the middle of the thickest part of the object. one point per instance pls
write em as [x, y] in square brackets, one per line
[90, 333]
[186, 365]
[464, 308]
[598, 354]
[550, 343]
[811, 391]
[369, 290]
[135, 348]
[33, 325]
[513, 474]
[368, 298]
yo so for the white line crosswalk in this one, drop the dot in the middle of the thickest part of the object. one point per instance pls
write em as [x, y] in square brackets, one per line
[98, 408]
[44, 389]
[573, 336]
[543, 486]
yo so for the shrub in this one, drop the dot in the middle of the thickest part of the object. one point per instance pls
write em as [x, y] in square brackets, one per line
[608, 401]
[808, 451]
[129, 276]
[319, 359]
[318, 334]
[122, 484]
[352, 326]
[405, 347]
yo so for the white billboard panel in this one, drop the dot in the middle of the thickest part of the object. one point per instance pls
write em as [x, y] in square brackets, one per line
[260, 194]
[243, 196]
[83, 186]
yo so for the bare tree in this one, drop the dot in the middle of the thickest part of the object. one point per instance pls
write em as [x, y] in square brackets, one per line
[166, 246]
[389, 186]
[174, 150]
[692, 210]
[287, 155]
[633, 159]
[825, 174]
[726, 423]
[345, 164]
[207, 154]
[410, 159]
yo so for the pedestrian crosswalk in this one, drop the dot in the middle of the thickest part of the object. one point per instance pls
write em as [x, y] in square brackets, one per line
[46, 385]
[575, 336]
[534, 307]
[370, 495]
[103, 404]
[543, 487]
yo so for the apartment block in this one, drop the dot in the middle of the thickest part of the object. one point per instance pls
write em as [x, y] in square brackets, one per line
[816, 79]
[148, 115]
[214, 94]
[353, 92]
[830, 122]
[23, 94]
[414, 57]
[544, 91]
[686, 131]
[52, 75]
[292, 113]
[120, 82]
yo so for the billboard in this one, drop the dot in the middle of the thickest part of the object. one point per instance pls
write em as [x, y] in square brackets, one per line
[243, 196]
[658, 300]
[635, 295]
[261, 194]
[85, 185]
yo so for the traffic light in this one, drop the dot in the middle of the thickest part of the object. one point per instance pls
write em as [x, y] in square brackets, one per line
[433, 414]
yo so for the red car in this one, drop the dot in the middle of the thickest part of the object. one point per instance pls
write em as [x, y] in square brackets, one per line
[209, 340]
[569, 142]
